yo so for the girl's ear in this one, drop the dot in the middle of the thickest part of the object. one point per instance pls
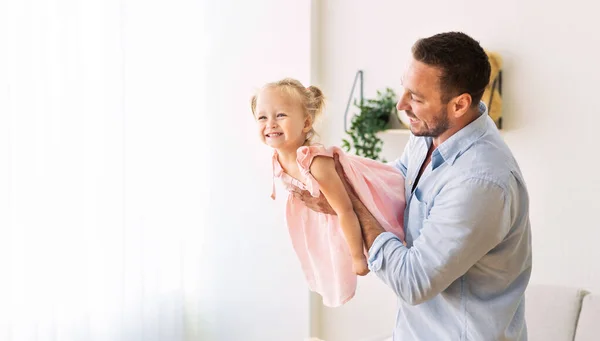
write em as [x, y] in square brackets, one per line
[307, 124]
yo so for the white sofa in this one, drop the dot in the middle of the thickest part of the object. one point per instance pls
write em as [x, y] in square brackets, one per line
[555, 313]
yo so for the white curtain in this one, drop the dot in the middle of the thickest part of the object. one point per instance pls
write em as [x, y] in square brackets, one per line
[102, 181]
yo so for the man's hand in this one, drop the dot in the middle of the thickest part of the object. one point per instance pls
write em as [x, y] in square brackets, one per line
[369, 225]
[319, 204]
[340, 170]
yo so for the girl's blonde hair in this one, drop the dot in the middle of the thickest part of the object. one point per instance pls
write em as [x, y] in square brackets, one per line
[312, 99]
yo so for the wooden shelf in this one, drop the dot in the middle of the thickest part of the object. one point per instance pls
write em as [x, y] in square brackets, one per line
[397, 131]
[403, 131]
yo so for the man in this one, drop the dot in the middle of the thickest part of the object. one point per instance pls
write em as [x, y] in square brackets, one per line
[467, 260]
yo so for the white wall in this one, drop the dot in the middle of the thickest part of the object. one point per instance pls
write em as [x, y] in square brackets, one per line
[101, 173]
[256, 290]
[550, 85]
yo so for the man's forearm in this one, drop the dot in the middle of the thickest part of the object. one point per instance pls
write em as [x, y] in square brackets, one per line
[369, 225]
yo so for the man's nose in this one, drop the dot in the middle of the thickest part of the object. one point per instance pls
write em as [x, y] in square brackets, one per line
[403, 102]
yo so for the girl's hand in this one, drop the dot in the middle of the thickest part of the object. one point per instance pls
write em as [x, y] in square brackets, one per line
[360, 265]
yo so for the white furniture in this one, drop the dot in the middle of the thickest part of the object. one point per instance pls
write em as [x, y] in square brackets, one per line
[555, 313]
[552, 312]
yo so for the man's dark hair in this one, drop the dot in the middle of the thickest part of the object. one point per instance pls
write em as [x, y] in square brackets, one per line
[463, 62]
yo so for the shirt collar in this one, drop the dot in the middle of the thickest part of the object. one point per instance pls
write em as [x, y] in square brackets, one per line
[450, 149]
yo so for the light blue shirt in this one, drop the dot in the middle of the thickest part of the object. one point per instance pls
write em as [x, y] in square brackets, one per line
[463, 273]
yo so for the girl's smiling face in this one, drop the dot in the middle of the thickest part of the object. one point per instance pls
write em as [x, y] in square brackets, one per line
[281, 120]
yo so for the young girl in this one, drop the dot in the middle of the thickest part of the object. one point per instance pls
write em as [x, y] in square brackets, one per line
[330, 247]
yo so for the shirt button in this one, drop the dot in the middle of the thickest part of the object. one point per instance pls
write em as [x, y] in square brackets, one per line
[410, 182]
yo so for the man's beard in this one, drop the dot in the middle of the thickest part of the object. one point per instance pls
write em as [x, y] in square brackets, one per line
[439, 126]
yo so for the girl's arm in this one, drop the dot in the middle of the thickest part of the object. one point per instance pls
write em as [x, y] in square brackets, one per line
[332, 187]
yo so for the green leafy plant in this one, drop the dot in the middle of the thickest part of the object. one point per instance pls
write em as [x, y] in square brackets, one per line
[374, 117]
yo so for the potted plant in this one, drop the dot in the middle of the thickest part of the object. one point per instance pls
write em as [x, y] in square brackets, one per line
[374, 117]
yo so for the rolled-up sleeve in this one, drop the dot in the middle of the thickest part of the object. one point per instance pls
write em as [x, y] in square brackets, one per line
[466, 221]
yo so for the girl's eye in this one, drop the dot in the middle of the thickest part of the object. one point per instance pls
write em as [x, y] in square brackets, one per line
[281, 115]
[260, 118]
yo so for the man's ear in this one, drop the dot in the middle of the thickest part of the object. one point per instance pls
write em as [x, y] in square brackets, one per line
[460, 105]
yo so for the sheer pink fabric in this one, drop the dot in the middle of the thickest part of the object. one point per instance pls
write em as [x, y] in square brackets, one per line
[318, 239]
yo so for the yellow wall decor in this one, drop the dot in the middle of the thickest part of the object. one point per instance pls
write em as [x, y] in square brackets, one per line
[492, 97]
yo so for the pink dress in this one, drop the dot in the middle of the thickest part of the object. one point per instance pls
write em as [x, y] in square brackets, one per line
[318, 239]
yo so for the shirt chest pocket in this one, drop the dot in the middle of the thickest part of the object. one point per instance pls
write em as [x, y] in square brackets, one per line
[416, 212]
